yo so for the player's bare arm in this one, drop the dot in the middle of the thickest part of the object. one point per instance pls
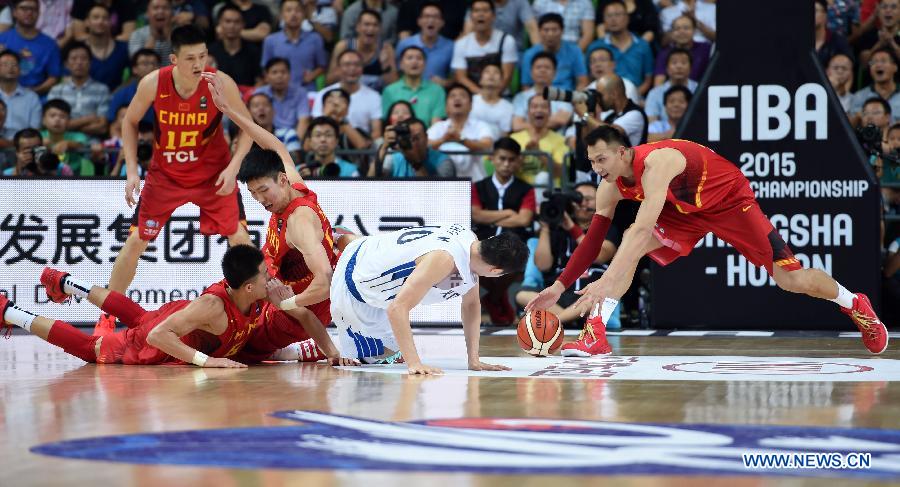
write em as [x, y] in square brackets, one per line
[304, 233]
[142, 101]
[238, 113]
[431, 269]
[471, 320]
[228, 90]
[205, 313]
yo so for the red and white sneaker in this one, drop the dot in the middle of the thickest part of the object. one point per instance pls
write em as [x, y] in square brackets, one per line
[874, 333]
[5, 303]
[106, 325]
[309, 351]
[52, 280]
[592, 341]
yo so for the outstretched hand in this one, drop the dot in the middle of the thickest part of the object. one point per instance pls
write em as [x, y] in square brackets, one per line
[217, 90]
[277, 291]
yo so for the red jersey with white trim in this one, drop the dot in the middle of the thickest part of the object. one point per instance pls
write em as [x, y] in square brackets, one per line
[286, 263]
[188, 141]
[707, 179]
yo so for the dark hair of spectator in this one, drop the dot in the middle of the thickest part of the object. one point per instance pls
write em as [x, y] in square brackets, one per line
[615, 2]
[7, 52]
[413, 48]
[240, 264]
[256, 95]
[691, 19]
[415, 121]
[58, 104]
[886, 50]
[232, 7]
[430, 3]
[506, 251]
[837, 55]
[678, 89]
[17, 2]
[877, 100]
[895, 126]
[678, 51]
[584, 183]
[286, 1]
[348, 51]
[324, 121]
[142, 53]
[604, 49]
[508, 144]
[260, 163]
[459, 86]
[72, 46]
[551, 17]
[489, 2]
[26, 133]
[186, 35]
[271, 63]
[391, 109]
[544, 55]
[607, 134]
[100, 5]
[336, 91]
[368, 11]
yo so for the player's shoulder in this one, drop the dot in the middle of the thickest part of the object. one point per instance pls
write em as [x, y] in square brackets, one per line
[208, 305]
[150, 81]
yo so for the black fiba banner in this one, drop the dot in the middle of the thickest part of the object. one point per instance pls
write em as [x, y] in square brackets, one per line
[765, 104]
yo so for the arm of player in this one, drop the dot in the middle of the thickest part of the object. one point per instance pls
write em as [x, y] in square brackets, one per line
[235, 110]
[228, 90]
[143, 99]
[430, 269]
[304, 233]
[205, 313]
[471, 321]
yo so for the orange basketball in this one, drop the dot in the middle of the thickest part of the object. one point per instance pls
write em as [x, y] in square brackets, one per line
[539, 333]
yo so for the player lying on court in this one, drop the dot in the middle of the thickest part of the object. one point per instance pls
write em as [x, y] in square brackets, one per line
[299, 248]
[686, 191]
[204, 332]
[379, 279]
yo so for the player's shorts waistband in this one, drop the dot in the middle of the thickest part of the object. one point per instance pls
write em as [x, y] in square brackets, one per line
[348, 275]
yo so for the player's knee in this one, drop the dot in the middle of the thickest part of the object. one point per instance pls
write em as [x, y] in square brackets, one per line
[793, 281]
[135, 243]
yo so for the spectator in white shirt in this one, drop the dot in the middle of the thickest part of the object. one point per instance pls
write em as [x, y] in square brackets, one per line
[484, 45]
[488, 106]
[460, 132]
[365, 103]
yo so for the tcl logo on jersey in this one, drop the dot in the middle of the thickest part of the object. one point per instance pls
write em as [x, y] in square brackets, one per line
[773, 120]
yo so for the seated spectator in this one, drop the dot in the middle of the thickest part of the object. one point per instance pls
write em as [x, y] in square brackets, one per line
[502, 203]
[109, 57]
[53, 22]
[321, 18]
[878, 113]
[365, 103]
[106, 154]
[144, 152]
[234, 56]
[190, 12]
[616, 110]
[883, 68]
[484, 45]
[88, 99]
[643, 19]
[290, 101]
[155, 35]
[827, 43]
[64, 143]
[682, 37]
[676, 100]
[578, 16]
[488, 106]
[399, 111]
[36, 50]
[28, 144]
[387, 14]
[23, 106]
[427, 98]
[304, 50]
[885, 34]
[378, 61]
[122, 17]
[415, 159]
[678, 70]
[438, 49]
[460, 132]
[571, 72]
[143, 62]
[454, 11]
[556, 243]
[601, 62]
[321, 159]
[890, 172]
[258, 21]
[840, 74]
[702, 11]
[634, 59]
[537, 136]
[263, 112]
[336, 106]
[543, 70]
[514, 17]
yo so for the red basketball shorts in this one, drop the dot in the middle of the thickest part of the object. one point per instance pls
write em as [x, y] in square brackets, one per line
[277, 331]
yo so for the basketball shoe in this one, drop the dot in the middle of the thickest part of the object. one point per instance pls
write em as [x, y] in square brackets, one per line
[52, 280]
[874, 333]
[106, 325]
[5, 303]
[592, 340]
[305, 351]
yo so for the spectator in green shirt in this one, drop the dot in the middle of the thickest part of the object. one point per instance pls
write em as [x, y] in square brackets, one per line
[426, 98]
[63, 143]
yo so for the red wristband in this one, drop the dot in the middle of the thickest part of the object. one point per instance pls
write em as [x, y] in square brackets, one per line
[586, 251]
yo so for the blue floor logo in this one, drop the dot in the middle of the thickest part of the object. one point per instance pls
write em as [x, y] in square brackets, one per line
[498, 445]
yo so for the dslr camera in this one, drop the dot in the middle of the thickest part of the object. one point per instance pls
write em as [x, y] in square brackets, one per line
[591, 98]
[558, 202]
[404, 138]
[869, 138]
[43, 161]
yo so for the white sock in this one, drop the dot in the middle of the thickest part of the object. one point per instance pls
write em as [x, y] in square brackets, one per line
[844, 298]
[606, 309]
[19, 317]
[76, 287]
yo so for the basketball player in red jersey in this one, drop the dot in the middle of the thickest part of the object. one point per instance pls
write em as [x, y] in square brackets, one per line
[299, 246]
[191, 160]
[686, 191]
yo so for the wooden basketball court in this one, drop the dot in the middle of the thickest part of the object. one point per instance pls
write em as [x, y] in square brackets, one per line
[49, 397]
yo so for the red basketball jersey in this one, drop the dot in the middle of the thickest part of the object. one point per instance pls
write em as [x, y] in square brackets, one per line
[188, 142]
[707, 179]
[286, 263]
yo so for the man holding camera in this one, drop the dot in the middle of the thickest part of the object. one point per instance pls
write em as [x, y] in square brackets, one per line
[564, 219]
[33, 158]
[414, 158]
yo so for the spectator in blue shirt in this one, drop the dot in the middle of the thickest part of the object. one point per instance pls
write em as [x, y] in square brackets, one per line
[304, 50]
[571, 70]
[290, 100]
[143, 62]
[23, 106]
[321, 159]
[438, 49]
[40, 62]
[263, 112]
[633, 57]
[109, 57]
[678, 70]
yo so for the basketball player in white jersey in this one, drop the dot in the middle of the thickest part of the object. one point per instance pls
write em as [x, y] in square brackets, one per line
[380, 278]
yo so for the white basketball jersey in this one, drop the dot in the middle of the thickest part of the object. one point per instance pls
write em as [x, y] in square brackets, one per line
[380, 264]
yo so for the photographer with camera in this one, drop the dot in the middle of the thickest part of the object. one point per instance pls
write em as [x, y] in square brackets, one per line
[144, 152]
[414, 159]
[564, 218]
[321, 160]
[33, 158]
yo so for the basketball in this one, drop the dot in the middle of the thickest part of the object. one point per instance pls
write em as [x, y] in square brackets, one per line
[540, 333]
